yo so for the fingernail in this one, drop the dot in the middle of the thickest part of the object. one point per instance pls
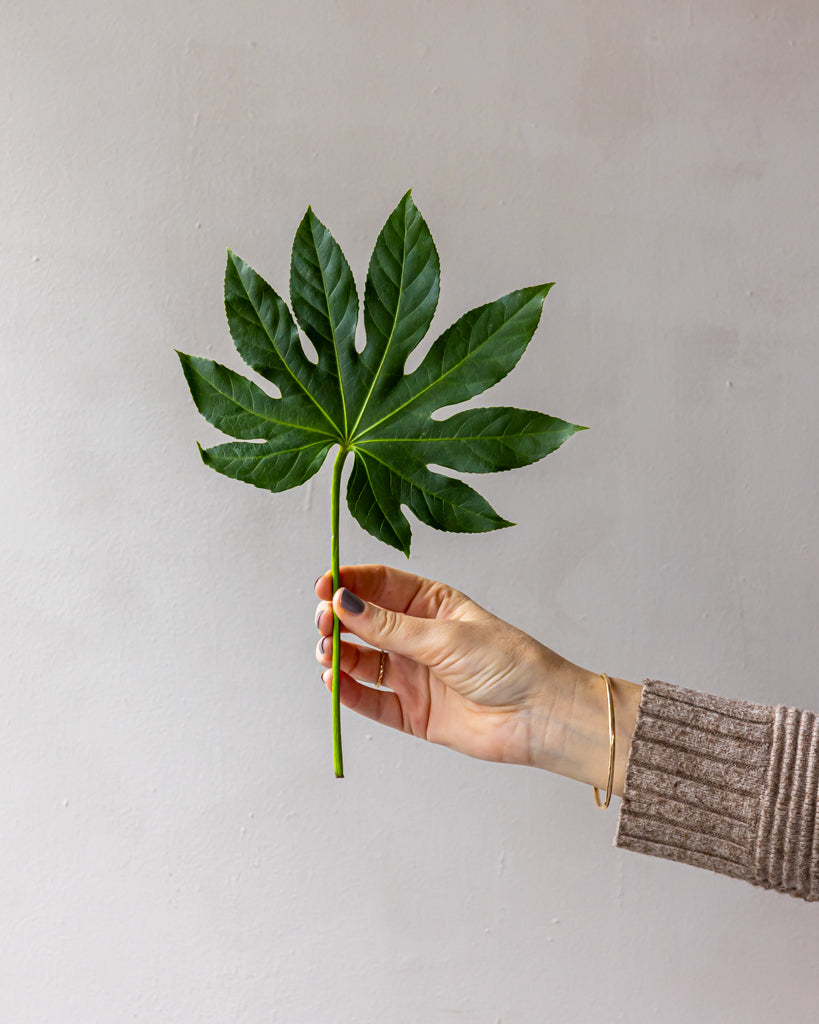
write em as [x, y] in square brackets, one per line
[319, 614]
[351, 602]
[316, 583]
[321, 644]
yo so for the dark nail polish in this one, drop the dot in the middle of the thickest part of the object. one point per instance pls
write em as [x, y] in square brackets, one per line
[321, 644]
[316, 583]
[319, 614]
[351, 602]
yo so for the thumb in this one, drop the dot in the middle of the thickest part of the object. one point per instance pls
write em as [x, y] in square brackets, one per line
[419, 639]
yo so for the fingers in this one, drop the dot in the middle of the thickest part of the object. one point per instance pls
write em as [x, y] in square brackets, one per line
[324, 618]
[421, 639]
[379, 705]
[363, 663]
[395, 589]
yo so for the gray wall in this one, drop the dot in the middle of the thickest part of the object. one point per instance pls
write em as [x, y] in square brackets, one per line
[174, 846]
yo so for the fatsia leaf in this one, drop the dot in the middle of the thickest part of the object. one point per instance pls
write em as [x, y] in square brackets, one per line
[365, 403]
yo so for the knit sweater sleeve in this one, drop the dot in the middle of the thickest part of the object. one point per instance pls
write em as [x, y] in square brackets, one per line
[727, 785]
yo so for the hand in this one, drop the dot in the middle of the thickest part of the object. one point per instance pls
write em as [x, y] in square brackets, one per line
[457, 675]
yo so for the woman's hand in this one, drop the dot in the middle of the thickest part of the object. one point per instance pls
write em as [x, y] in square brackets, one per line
[457, 675]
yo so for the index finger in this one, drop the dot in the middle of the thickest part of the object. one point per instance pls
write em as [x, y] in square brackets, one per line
[395, 589]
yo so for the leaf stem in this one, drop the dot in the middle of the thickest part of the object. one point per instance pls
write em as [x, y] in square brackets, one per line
[338, 763]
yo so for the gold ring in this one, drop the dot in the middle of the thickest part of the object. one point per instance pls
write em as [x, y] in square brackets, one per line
[382, 662]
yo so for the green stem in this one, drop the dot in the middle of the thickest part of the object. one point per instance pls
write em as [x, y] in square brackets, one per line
[338, 763]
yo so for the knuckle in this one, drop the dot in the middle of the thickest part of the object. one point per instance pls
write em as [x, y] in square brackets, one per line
[381, 578]
[354, 661]
[445, 638]
[391, 623]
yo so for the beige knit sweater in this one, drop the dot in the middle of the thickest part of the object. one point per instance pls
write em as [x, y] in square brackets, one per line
[726, 785]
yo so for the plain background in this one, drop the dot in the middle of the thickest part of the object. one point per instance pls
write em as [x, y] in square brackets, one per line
[173, 846]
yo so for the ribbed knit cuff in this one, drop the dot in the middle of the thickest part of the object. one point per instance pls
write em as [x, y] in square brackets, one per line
[726, 785]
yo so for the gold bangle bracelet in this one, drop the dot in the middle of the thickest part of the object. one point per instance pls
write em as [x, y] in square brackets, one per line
[607, 798]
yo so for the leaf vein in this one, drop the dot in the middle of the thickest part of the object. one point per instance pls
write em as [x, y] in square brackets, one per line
[455, 366]
[268, 334]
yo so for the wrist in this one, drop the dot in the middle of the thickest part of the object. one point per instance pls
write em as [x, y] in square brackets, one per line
[571, 738]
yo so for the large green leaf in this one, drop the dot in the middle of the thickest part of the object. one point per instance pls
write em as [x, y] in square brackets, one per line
[364, 401]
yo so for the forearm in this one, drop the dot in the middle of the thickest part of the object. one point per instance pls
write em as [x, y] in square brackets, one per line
[571, 736]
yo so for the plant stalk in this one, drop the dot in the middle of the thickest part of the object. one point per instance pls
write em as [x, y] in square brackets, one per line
[338, 763]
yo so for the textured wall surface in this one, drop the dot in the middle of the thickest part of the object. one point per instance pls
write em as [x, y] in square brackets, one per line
[174, 847]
